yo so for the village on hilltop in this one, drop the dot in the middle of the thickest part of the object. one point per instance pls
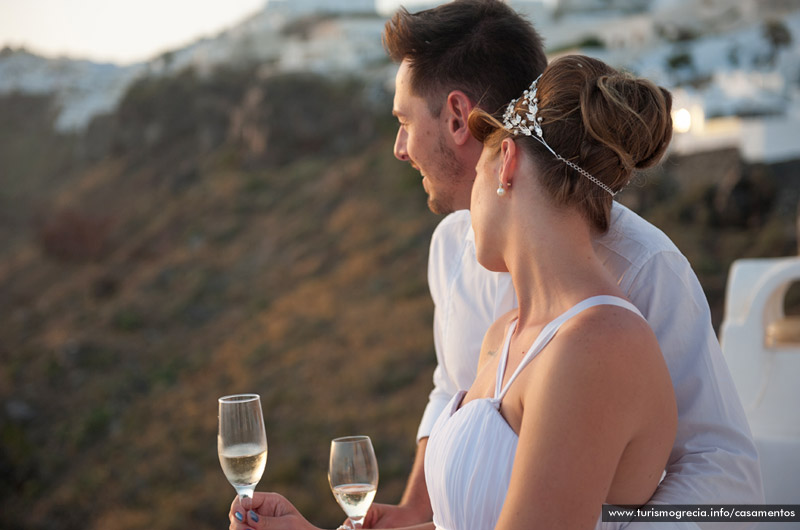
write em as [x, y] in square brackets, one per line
[734, 68]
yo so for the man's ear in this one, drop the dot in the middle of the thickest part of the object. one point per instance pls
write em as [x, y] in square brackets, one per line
[458, 107]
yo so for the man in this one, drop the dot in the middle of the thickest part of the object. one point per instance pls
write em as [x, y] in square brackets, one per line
[471, 53]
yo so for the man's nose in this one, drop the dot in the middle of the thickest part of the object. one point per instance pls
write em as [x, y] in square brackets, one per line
[400, 151]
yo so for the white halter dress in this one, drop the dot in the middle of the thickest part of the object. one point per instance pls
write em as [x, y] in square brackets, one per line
[471, 449]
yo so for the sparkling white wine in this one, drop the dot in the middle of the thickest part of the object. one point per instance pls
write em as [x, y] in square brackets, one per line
[355, 499]
[243, 464]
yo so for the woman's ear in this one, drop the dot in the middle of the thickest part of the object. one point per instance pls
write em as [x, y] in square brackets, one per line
[508, 162]
[458, 106]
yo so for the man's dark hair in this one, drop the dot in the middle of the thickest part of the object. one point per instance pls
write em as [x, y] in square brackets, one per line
[481, 47]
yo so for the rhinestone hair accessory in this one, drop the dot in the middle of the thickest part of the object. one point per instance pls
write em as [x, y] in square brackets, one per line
[531, 125]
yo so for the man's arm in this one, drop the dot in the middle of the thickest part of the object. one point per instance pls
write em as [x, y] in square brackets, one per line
[415, 496]
[467, 300]
[714, 459]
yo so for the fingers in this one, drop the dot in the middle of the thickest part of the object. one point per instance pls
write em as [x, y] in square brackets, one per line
[237, 521]
[272, 505]
[372, 518]
[236, 504]
[236, 516]
[264, 503]
[241, 507]
[247, 503]
[249, 520]
[266, 510]
[255, 521]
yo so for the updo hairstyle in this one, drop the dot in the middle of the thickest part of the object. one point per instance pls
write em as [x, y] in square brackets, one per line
[607, 122]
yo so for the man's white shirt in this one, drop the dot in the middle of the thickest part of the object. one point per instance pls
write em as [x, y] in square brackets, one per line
[714, 459]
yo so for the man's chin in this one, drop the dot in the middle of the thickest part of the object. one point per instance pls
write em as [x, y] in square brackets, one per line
[438, 207]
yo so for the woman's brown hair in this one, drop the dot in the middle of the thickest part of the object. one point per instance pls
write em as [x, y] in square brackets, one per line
[607, 122]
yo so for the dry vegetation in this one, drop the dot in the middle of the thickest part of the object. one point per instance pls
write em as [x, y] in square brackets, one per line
[233, 234]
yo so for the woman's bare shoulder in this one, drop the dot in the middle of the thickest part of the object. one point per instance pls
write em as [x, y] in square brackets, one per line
[610, 334]
[606, 351]
[495, 336]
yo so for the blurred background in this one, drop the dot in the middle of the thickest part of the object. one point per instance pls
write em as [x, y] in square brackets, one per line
[198, 201]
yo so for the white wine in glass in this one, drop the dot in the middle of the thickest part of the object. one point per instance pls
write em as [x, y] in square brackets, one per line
[353, 475]
[242, 441]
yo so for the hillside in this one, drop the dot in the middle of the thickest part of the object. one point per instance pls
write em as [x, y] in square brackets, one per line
[185, 264]
[235, 233]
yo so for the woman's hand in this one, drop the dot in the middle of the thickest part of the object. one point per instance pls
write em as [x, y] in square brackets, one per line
[392, 516]
[266, 510]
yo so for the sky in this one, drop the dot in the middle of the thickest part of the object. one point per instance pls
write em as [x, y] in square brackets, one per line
[122, 31]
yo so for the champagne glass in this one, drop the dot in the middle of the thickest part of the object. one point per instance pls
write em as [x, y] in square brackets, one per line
[242, 441]
[353, 475]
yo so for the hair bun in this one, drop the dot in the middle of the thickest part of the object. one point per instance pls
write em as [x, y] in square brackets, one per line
[630, 116]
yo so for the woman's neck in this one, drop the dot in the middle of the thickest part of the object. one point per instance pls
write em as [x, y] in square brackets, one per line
[553, 265]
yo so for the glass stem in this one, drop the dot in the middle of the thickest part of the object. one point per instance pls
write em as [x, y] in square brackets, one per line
[245, 492]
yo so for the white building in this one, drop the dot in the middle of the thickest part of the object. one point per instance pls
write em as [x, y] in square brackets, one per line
[602, 6]
[296, 7]
[342, 44]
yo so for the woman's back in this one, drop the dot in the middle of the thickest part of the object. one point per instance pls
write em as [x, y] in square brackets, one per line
[471, 458]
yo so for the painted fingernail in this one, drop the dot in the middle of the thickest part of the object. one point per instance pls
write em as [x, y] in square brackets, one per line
[238, 516]
[253, 516]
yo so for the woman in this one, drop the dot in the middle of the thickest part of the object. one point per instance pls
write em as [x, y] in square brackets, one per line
[572, 406]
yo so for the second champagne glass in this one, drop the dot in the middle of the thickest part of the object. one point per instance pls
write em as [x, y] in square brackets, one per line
[242, 441]
[353, 475]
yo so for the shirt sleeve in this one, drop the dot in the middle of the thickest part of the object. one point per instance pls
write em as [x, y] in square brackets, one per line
[443, 259]
[714, 459]
[437, 401]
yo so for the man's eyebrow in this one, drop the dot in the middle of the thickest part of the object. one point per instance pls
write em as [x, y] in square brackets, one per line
[397, 113]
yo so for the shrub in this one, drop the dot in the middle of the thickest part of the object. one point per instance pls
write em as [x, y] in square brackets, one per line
[74, 236]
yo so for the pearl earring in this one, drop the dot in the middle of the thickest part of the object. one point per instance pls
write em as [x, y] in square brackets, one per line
[500, 191]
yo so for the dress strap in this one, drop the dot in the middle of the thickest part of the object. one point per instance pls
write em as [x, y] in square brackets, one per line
[547, 334]
[501, 367]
